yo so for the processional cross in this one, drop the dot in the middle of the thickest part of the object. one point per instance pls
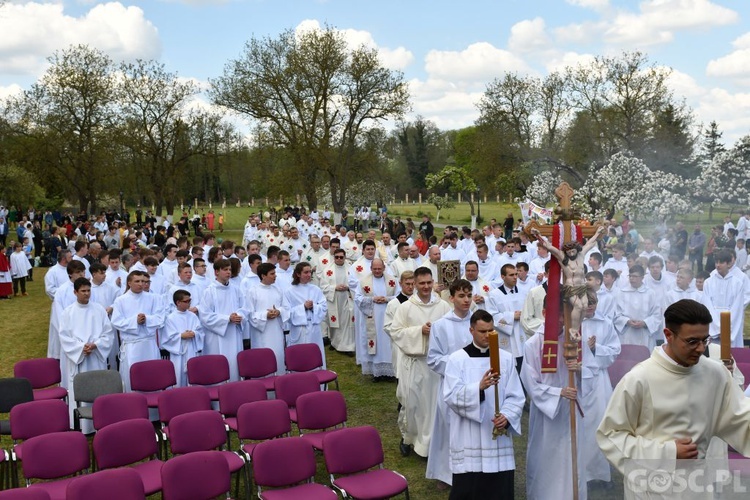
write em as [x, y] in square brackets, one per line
[563, 231]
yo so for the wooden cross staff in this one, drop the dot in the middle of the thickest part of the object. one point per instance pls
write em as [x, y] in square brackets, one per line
[566, 215]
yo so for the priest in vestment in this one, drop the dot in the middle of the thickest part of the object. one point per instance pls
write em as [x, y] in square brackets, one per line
[223, 317]
[334, 283]
[406, 284]
[410, 330]
[482, 467]
[480, 287]
[373, 293]
[182, 335]
[505, 304]
[308, 308]
[698, 400]
[638, 311]
[57, 274]
[268, 311]
[403, 262]
[137, 315]
[86, 336]
[357, 272]
[447, 335]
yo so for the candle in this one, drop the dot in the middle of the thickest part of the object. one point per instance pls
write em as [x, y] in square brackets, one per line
[726, 335]
[494, 353]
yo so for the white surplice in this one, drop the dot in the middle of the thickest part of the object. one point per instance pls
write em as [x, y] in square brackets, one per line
[222, 337]
[304, 324]
[340, 307]
[181, 350]
[641, 305]
[727, 293]
[374, 338]
[266, 332]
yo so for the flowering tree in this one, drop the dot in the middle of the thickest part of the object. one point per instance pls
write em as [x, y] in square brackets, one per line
[725, 179]
[542, 189]
[440, 203]
[627, 184]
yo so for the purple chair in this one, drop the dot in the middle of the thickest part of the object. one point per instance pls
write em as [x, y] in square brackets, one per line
[52, 457]
[208, 371]
[24, 494]
[43, 374]
[741, 354]
[291, 386]
[235, 394]
[199, 476]
[113, 484]
[258, 363]
[260, 421]
[744, 367]
[281, 463]
[32, 419]
[204, 431]
[130, 442]
[635, 352]
[111, 408]
[307, 358]
[178, 401]
[353, 453]
[151, 378]
[619, 368]
[323, 411]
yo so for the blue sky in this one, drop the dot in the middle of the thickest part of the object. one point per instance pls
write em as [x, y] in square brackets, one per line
[448, 51]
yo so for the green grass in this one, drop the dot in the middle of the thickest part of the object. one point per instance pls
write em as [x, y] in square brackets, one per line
[23, 335]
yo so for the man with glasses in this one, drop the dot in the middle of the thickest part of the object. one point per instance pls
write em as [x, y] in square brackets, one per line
[334, 283]
[697, 400]
[637, 311]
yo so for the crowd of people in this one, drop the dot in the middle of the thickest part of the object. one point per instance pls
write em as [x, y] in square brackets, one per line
[373, 293]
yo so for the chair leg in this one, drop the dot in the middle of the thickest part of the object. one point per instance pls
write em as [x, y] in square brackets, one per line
[406, 494]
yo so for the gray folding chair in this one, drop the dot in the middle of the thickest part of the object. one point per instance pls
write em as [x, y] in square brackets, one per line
[88, 386]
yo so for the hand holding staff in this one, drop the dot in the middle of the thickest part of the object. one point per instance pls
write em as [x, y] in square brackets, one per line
[495, 368]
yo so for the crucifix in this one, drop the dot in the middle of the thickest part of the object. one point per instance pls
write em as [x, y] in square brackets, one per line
[563, 240]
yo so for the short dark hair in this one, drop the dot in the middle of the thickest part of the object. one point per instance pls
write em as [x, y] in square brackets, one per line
[421, 271]
[366, 243]
[222, 264]
[504, 269]
[80, 282]
[596, 275]
[611, 272]
[97, 267]
[460, 285]
[686, 311]
[724, 256]
[75, 266]
[265, 268]
[522, 265]
[180, 295]
[637, 269]
[480, 315]
[253, 257]
[596, 256]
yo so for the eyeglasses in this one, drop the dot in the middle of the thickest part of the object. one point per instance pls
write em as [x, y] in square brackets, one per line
[185, 301]
[694, 343]
[338, 256]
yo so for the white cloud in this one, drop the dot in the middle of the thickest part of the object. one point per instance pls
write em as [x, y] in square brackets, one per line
[684, 85]
[568, 59]
[590, 4]
[10, 90]
[478, 62]
[396, 59]
[656, 22]
[33, 31]
[734, 64]
[730, 110]
[529, 36]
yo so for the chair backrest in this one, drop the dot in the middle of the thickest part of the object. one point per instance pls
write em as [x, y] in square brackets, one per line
[257, 362]
[111, 408]
[292, 385]
[235, 394]
[352, 450]
[634, 352]
[199, 475]
[42, 372]
[113, 484]
[321, 410]
[87, 386]
[619, 369]
[303, 358]
[124, 443]
[182, 400]
[14, 391]
[208, 369]
[152, 375]
[24, 494]
[741, 354]
[196, 431]
[35, 418]
[51, 456]
[263, 420]
[282, 462]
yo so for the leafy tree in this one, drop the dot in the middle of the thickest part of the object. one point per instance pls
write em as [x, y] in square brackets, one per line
[454, 180]
[725, 179]
[18, 186]
[318, 99]
[440, 202]
[67, 118]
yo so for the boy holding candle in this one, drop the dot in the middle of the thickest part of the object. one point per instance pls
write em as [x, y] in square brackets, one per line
[482, 469]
